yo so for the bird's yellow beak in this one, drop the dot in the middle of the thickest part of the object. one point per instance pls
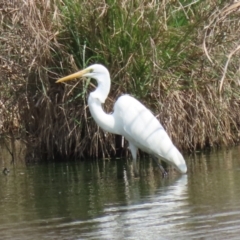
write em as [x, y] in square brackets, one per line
[74, 75]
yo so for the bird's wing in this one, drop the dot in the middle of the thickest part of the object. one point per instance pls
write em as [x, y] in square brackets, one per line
[140, 127]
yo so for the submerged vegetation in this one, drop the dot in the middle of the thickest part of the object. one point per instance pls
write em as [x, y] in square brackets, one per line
[180, 58]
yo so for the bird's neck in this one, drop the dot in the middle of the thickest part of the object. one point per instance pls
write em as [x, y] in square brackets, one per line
[104, 120]
[103, 88]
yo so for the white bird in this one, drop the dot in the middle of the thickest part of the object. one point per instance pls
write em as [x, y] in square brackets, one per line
[130, 119]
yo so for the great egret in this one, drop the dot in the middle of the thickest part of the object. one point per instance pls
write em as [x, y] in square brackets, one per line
[130, 119]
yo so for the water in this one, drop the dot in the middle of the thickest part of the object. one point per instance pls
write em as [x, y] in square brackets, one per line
[102, 199]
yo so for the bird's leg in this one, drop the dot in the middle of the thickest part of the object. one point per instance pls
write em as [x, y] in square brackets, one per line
[164, 173]
[134, 150]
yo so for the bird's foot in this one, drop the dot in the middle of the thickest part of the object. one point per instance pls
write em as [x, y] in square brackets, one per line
[6, 171]
[164, 172]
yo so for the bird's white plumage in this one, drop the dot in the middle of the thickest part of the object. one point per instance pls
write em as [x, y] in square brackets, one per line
[140, 127]
[130, 119]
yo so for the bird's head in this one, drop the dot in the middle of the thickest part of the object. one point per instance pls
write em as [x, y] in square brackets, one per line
[97, 72]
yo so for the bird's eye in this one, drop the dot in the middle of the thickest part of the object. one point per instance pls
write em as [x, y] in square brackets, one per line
[90, 70]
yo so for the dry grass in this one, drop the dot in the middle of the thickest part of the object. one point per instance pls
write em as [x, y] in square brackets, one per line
[24, 50]
[181, 59]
